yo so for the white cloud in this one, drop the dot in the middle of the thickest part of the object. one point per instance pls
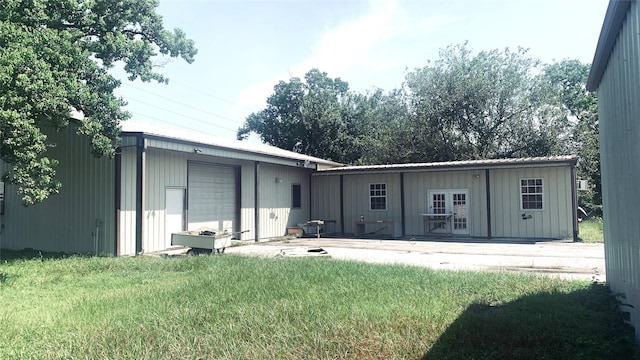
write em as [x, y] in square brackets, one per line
[381, 40]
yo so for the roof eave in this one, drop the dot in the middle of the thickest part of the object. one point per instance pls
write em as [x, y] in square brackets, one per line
[613, 20]
[185, 141]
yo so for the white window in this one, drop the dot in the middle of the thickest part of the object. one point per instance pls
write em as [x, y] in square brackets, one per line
[377, 196]
[531, 194]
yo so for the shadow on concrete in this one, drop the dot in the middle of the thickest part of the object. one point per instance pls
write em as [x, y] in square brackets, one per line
[584, 324]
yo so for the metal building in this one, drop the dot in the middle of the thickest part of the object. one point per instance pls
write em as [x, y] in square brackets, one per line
[615, 74]
[532, 198]
[161, 181]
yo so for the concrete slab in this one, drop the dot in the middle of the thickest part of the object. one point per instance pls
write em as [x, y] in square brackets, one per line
[567, 260]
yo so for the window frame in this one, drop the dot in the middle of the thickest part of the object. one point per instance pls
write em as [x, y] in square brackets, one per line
[535, 193]
[383, 195]
[293, 196]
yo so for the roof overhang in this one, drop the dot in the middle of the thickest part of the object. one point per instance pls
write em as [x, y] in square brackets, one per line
[204, 144]
[613, 20]
[568, 160]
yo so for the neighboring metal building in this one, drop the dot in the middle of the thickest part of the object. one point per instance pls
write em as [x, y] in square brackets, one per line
[531, 198]
[161, 181]
[615, 74]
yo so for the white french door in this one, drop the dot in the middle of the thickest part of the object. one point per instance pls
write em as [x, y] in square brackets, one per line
[453, 203]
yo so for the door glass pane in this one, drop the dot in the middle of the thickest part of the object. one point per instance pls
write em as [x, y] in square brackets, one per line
[459, 211]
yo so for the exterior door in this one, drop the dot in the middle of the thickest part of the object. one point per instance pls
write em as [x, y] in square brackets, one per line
[453, 203]
[174, 213]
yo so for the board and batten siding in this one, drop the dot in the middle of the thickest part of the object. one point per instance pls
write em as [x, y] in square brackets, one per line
[618, 113]
[555, 221]
[73, 220]
[419, 184]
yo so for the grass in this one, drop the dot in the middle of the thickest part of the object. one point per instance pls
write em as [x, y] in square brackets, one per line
[591, 231]
[231, 307]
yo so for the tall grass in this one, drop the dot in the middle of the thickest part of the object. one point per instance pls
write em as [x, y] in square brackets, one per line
[230, 307]
[592, 230]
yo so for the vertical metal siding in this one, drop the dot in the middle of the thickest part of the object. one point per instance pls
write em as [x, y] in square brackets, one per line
[247, 221]
[418, 185]
[356, 199]
[555, 221]
[325, 194]
[275, 202]
[127, 236]
[618, 110]
[70, 220]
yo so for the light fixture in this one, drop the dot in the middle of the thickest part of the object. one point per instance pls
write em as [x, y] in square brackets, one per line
[476, 176]
[197, 150]
[278, 180]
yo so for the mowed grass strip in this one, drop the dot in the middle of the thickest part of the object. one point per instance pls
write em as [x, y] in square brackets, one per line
[232, 307]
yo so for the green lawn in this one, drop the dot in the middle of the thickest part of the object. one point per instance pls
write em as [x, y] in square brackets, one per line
[591, 231]
[231, 307]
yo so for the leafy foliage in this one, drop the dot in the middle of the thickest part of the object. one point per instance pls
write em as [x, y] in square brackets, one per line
[569, 79]
[490, 105]
[317, 116]
[54, 59]
[494, 104]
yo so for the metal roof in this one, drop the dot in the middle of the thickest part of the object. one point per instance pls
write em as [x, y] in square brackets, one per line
[457, 165]
[181, 135]
[613, 20]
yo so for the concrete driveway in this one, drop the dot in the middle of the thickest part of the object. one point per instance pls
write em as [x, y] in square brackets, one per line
[566, 260]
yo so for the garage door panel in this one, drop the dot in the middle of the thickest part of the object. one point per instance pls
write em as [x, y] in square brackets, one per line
[212, 197]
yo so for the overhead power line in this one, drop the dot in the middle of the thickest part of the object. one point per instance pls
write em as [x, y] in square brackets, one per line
[210, 95]
[183, 115]
[182, 104]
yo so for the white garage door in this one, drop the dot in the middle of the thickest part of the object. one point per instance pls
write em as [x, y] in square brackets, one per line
[212, 197]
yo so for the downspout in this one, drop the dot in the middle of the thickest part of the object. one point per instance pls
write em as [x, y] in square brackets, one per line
[342, 204]
[402, 213]
[487, 179]
[574, 203]
[140, 179]
[118, 199]
[256, 201]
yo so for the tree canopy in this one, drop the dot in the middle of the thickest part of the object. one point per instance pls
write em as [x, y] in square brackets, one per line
[54, 59]
[462, 106]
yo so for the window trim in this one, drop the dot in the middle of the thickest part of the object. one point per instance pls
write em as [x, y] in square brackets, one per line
[371, 197]
[522, 208]
[293, 197]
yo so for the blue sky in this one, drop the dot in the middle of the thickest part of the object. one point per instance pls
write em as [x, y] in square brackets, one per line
[246, 47]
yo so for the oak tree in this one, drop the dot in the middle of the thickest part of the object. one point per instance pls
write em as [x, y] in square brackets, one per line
[55, 57]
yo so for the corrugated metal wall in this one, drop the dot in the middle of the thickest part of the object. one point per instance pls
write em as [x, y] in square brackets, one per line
[166, 168]
[618, 111]
[276, 213]
[127, 235]
[80, 214]
[418, 185]
[325, 200]
[554, 222]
